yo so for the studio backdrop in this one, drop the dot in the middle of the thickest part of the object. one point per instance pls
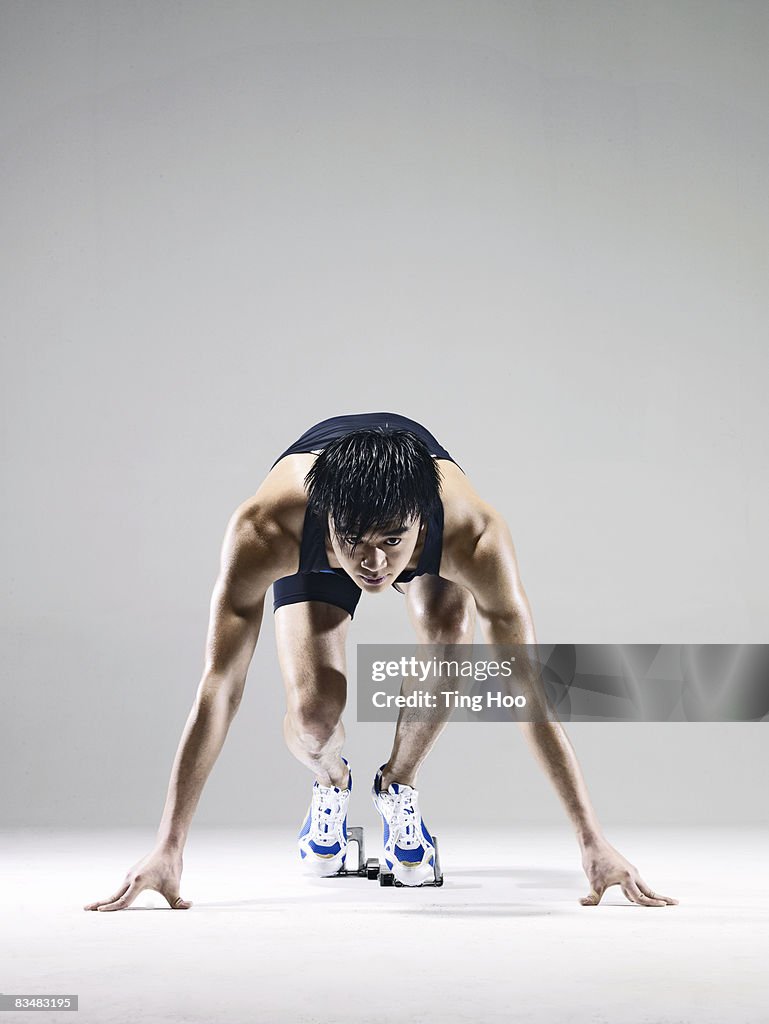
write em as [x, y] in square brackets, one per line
[538, 229]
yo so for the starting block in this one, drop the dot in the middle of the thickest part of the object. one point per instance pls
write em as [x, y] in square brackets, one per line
[371, 868]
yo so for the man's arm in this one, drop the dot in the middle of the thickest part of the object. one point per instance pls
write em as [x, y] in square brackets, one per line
[250, 562]
[490, 571]
[236, 610]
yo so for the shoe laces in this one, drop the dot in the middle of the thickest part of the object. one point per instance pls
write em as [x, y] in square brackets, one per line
[327, 808]
[405, 814]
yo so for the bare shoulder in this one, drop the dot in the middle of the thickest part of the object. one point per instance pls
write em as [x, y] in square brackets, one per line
[480, 553]
[467, 517]
[264, 533]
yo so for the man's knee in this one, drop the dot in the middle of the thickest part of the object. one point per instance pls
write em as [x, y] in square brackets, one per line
[313, 725]
[445, 621]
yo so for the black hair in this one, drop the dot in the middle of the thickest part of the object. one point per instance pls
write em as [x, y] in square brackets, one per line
[373, 480]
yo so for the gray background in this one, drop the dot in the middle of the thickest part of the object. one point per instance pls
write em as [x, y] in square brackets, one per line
[538, 228]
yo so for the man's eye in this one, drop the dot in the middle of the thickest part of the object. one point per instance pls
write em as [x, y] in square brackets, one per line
[351, 541]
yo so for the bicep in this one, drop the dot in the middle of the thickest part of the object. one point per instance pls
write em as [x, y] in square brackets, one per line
[492, 576]
[237, 602]
[232, 634]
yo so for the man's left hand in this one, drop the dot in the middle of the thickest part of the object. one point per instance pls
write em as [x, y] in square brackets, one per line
[605, 866]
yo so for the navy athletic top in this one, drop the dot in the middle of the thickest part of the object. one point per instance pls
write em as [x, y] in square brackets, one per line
[313, 550]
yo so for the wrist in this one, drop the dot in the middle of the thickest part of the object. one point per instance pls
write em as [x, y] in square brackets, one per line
[173, 844]
[590, 837]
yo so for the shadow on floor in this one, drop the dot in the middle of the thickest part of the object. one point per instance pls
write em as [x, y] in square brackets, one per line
[539, 878]
[430, 910]
[476, 910]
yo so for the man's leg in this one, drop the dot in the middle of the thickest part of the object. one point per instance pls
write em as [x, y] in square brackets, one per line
[441, 612]
[310, 637]
[311, 651]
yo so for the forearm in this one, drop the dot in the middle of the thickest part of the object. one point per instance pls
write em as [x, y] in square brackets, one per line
[552, 748]
[200, 745]
[544, 733]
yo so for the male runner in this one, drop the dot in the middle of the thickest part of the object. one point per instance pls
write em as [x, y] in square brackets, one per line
[357, 504]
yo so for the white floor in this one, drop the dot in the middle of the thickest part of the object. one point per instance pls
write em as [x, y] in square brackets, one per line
[505, 939]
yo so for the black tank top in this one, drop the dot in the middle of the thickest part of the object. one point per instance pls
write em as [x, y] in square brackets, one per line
[323, 433]
[313, 551]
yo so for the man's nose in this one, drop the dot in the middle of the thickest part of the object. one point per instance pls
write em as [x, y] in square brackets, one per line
[374, 558]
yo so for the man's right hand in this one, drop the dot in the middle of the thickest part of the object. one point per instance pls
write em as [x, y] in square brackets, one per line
[160, 870]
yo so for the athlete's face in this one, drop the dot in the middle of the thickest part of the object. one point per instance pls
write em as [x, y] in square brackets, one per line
[379, 558]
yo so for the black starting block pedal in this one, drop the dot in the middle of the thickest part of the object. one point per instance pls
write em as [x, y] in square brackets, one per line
[366, 868]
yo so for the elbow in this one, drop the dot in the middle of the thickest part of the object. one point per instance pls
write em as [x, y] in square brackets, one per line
[221, 690]
[514, 626]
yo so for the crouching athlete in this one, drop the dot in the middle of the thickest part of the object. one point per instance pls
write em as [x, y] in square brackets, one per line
[356, 505]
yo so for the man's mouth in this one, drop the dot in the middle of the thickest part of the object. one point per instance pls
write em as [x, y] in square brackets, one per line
[373, 580]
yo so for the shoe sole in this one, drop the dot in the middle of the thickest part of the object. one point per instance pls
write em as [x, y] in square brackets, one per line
[322, 867]
[409, 876]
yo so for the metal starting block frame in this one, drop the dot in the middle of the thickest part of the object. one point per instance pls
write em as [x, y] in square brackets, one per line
[371, 868]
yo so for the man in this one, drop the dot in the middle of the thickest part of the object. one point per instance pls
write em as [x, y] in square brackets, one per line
[357, 504]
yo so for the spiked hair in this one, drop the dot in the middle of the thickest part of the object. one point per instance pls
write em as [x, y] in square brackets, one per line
[372, 480]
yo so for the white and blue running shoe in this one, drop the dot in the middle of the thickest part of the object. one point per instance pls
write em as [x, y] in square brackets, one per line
[323, 839]
[408, 845]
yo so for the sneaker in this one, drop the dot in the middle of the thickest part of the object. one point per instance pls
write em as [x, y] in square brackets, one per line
[408, 846]
[323, 839]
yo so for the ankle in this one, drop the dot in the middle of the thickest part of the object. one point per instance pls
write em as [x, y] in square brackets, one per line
[338, 776]
[401, 776]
